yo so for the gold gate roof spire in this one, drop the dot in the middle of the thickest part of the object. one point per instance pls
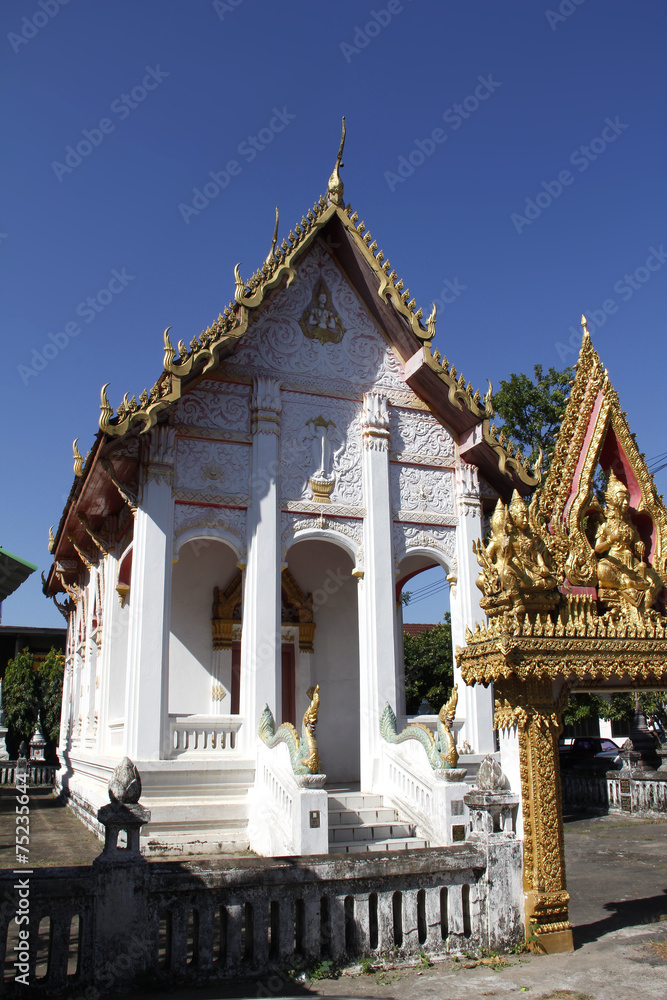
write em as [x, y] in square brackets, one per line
[335, 186]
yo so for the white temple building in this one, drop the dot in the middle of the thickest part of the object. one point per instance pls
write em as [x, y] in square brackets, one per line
[240, 534]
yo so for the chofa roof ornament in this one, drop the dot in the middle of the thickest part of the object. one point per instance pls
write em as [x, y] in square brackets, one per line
[335, 186]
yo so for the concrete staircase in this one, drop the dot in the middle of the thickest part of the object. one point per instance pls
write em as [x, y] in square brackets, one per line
[360, 823]
[201, 811]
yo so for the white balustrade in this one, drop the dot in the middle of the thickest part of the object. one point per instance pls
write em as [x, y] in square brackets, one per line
[430, 801]
[203, 734]
[288, 813]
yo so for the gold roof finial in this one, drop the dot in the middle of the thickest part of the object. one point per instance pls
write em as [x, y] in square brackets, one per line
[335, 186]
[271, 257]
[584, 327]
[52, 541]
[78, 460]
[239, 293]
[169, 352]
[105, 407]
[430, 322]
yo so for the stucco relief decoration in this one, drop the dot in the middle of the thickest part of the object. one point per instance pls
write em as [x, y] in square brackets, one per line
[425, 536]
[320, 450]
[213, 466]
[375, 422]
[277, 342]
[326, 447]
[418, 437]
[266, 405]
[350, 527]
[420, 490]
[320, 321]
[467, 491]
[230, 520]
[217, 405]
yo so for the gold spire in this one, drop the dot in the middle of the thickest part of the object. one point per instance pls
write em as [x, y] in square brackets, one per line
[430, 322]
[271, 258]
[78, 460]
[105, 407]
[169, 352]
[335, 185]
[239, 293]
[584, 327]
[52, 541]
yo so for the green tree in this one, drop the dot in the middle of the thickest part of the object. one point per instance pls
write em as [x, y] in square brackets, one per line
[429, 666]
[531, 409]
[21, 696]
[50, 676]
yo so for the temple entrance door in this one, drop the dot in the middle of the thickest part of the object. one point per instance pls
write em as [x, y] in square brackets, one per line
[288, 684]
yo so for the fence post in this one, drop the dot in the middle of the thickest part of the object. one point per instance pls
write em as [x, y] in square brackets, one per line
[122, 943]
[493, 812]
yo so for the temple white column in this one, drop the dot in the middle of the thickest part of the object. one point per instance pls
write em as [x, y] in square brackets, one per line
[146, 734]
[475, 703]
[261, 644]
[110, 610]
[377, 594]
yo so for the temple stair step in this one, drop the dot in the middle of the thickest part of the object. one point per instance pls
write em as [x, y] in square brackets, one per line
[360, 822]
[368, 846]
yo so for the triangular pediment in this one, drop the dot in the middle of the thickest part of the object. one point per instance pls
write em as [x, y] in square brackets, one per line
[595, 435]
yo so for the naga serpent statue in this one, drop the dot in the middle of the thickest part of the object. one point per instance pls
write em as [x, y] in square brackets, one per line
[303, 751]
[441, 748]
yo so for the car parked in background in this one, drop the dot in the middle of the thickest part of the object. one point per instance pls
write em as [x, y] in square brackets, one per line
[590, 751]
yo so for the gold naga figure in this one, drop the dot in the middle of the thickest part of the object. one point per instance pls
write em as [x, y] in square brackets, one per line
[621, 571]
[515, 561]
[446, 718]
[304, 755]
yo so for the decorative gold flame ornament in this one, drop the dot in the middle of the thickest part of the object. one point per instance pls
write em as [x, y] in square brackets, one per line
[575, 596]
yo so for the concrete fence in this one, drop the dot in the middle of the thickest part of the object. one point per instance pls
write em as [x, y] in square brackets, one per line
[39, 773]
[641, 793]
[125, 921]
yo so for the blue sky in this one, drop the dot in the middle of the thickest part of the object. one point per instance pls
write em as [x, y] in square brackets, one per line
[171, 91]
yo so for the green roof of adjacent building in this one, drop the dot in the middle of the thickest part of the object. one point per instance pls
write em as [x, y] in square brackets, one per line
[13, 572]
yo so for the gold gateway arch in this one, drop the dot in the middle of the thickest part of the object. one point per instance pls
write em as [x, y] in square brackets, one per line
[574, 590]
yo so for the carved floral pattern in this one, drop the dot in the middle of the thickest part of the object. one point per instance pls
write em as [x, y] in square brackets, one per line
[215, 404]
[212, 466]
[350, 527]
[276, 342]
[418, 437]
[299, 454]
[232, 520]
[407, 536]
[416, 488]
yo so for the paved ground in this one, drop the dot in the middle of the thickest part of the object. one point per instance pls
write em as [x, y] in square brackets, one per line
[617, 877]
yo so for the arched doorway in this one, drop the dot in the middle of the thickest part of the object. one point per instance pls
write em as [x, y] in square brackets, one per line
[424, 579]
[203, 680]
[324, 570]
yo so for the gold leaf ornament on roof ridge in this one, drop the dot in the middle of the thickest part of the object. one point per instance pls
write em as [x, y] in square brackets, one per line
[335, 185]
